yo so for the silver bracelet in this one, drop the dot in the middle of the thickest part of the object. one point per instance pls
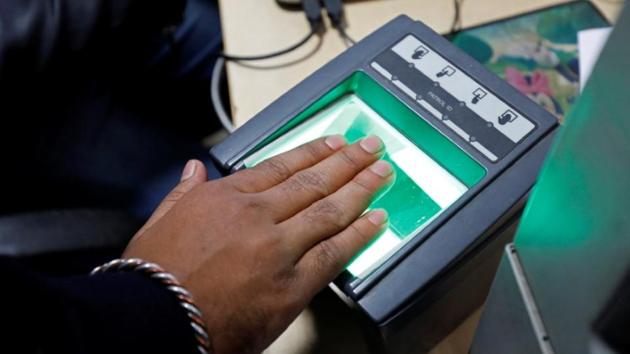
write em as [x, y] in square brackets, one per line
[184, 297]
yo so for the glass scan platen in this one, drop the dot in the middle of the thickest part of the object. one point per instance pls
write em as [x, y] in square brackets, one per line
[465, 147]
[422, 188]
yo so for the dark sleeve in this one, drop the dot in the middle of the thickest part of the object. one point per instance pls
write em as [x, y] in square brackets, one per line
[37, 33]
[109, 313]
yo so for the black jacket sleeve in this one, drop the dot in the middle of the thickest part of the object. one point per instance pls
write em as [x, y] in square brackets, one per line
[37, 33]
[108, 313]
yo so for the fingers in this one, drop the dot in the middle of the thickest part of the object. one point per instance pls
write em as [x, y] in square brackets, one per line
[322, 263]
[193, 174]
[334, 213]
[278, 168]
[318, 181]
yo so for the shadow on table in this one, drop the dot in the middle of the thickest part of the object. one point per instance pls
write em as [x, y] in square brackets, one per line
[327, 325]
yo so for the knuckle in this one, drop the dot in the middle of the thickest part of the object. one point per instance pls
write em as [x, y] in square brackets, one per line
[326, 211]
[327, 256]
[294, 184]
[312, 150]
[359, 232]
[277, 168]
[363, 185]
[349, 158]
[174, 196]
[312, 181]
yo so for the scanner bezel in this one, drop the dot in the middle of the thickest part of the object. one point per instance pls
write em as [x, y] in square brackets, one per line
[230, 153]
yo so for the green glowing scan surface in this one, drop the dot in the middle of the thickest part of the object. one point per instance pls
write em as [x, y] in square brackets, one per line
[422, 189]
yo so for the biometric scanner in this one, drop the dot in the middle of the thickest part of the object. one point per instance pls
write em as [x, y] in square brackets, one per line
[465, 146]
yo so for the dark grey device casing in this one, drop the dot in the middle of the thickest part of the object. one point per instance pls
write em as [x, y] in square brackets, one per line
[443, 274]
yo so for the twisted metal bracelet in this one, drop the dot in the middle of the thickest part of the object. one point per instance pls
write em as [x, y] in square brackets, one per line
[184, 297]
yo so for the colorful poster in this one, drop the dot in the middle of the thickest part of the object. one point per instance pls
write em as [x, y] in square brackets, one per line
[537, 53]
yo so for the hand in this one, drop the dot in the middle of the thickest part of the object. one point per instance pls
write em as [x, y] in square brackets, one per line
[255, 247]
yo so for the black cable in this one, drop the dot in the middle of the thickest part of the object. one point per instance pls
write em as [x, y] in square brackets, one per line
[271, 54]
[218, 70]
[346, 37]
[457, 19]
[334, 8]
[335, 11]
[313, 11]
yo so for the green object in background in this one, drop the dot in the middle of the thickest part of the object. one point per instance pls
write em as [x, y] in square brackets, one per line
[574, 237]
[431, 172]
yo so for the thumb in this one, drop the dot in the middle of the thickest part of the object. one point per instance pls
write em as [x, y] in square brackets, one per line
[194, 174]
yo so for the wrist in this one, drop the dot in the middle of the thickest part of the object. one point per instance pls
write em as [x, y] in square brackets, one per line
[171, 284]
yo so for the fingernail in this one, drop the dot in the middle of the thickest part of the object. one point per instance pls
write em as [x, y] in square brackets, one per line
[381, 168]
[372, 144]
[189, 170]
[377, 217]
[335, 142]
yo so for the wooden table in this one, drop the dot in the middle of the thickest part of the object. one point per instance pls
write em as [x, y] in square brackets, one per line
[261, 26]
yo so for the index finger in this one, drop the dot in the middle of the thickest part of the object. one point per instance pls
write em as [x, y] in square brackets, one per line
[279, 168]
[322, 263]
